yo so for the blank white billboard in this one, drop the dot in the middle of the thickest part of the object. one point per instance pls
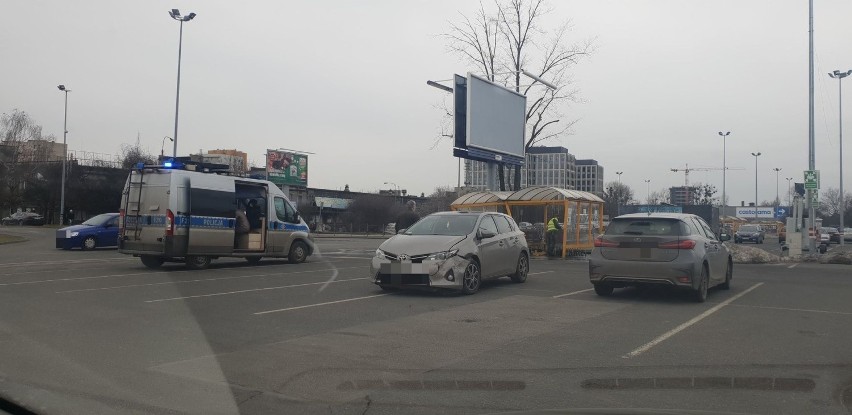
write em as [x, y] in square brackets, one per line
[495, 117]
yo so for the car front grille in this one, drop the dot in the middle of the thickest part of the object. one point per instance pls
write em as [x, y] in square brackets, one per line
[413, 258]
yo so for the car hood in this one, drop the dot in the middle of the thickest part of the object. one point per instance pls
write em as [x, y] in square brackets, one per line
[79, 228]
[419, 244]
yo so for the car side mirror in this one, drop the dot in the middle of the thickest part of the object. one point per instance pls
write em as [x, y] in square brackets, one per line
[485, 234]
[401, 231]
[724, 237]
[296, 217]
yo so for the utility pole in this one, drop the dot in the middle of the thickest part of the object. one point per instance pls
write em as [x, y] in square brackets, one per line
[811, 146]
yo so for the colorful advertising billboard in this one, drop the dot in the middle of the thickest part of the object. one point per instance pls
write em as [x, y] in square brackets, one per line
[287, 168]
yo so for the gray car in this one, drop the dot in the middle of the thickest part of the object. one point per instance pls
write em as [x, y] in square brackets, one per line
[673, 249]
[452, 250]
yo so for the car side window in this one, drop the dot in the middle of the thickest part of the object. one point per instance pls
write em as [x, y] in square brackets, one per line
[695, 227]
[488, 224]
[503, 224]
[112, 222]
[284, 211]
[707, 230]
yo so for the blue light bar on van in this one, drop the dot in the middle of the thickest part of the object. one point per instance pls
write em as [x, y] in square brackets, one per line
[167, 164]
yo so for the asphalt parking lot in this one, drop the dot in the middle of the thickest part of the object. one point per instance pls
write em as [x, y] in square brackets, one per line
[96, 332]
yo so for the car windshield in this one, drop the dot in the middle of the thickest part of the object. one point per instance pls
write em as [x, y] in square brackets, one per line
[454, 225]
[98, 220]
[749, 228]
[644, 226]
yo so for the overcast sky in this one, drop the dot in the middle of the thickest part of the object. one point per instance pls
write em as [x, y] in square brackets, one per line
[346, 80]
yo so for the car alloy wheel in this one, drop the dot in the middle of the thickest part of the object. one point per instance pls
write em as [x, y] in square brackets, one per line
[522, 270]
[89, 243]
[472, 278]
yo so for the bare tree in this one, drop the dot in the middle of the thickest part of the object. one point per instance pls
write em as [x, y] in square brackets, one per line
[616, 194]
[659, 196]
[703, 194]
[22, 150]
[134, 154]
[502, 43]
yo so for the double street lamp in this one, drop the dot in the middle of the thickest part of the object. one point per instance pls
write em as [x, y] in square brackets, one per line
[789, 192]
[840, 75]
[64, 156]
[777, 197]
[756, 155]
[619, 175]
[648, 182]
[175, 14]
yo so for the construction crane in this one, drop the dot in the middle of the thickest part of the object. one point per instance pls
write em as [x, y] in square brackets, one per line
[688, 169]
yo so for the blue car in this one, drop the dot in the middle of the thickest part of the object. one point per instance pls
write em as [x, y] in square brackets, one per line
[99, 231]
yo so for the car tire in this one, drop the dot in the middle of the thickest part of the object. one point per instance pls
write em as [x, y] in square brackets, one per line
[522, 269]
[603, 289]
[253, 260]
[298, 252]
[151, 261]
[700, 294]
[197, 262]
[472, 279]
[89, 243]
[729, 274]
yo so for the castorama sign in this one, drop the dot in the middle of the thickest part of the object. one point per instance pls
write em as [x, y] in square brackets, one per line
[762, 212]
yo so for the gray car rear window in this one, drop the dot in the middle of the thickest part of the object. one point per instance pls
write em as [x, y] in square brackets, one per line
[647, 227]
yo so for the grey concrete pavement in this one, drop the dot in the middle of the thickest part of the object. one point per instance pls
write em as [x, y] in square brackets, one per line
[99, 333]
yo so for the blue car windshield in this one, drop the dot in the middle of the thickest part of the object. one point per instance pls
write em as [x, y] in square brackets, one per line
[99, 220]
[455, 225]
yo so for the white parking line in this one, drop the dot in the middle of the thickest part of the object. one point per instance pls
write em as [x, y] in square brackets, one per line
[684, 326]
[320, 304]
[540, 272]
[793, 266]
[251, 290]
[805, 310]
[69, 261]
[201, 280]
[572, 293]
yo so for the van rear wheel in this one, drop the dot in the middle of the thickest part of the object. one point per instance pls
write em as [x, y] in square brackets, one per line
[151, 261]
[197, 262]
[298, 252]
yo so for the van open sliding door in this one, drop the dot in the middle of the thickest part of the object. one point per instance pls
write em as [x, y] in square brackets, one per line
[212, 207]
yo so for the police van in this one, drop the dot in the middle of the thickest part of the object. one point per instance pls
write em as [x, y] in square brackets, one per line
[188, 213]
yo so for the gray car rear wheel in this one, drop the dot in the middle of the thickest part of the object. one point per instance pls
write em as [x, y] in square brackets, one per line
[603, 289]
[700, 294]
[472, 278]
[522, 270]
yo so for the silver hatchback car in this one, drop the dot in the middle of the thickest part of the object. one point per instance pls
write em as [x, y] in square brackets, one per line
[672, 249]
[452, 250]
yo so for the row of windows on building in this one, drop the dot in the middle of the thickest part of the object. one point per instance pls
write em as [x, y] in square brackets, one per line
[546, 166]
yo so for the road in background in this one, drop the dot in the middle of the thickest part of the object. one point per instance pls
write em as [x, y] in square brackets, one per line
[92, 332]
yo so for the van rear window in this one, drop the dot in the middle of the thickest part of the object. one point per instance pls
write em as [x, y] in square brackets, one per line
[647, 226]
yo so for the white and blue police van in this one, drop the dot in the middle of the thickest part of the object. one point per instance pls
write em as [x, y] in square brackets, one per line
[178, 212]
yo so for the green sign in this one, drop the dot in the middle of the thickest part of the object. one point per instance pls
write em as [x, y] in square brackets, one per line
[815, 198]
[811, 179]
[284, 167]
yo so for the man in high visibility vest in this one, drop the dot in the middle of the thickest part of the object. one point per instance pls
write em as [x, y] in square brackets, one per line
[553, 233]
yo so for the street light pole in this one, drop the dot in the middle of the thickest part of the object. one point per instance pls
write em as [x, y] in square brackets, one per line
[777, 195]
[175, 14]
[648, 182]
[163, 145]
[619, 175]
[756, 155]
[724, 165]
[64, 156]
[396, 186]
[840, 75]
[789, 192]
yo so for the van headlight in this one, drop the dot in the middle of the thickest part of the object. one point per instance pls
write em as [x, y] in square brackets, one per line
[73, 234]
[442, 256]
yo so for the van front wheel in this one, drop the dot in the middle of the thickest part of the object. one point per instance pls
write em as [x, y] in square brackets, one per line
[197, 262]
[298, 252]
